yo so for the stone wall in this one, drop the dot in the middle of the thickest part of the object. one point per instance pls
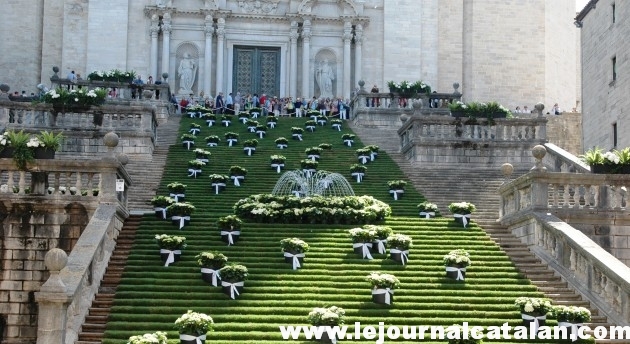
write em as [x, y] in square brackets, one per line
[565, 131]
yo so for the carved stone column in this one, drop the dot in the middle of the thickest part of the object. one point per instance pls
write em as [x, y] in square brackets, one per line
[207, 66]
[358, 52]
[220, 43]
[306, 59]
[293, 35]
[166, 42]
[347, 39]
[154, 29]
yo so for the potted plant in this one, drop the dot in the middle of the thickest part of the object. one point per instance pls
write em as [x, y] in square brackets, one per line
[230, 227]
[194, 167]
[218, 182]
[180, 213]
[456, 262]
[193, 327]
[427, 210]
[321, 120]
[309, 166]
[255, 112]
[533, 309]
[194, 129]
[281, 142]
[331, 316]
[231, 138]
[601, 162]
[379, 242]
[383, 286]
[272, 121]
[348, 139]
[171, 247]
[261, 131]
[294, 249]
[363, 154]
[373, 151]
[358, 171]
[336, 124]
[250, 123]
[399, 245]
[571, 317]
[202, 155]
[212, 140]
[325, 146]
[310, 125]
[237, 173]
[244, 118]
[5, 146]
[313, 153]
[396, 188]
[188, 140]
[177, 191]
[149, 338]
[226, 120]
[233, 278]
[277, 162]
[210, 119]
[21, 152]
[210, 263]
[296, 133]
[50, 143]
[624, 160]
[461, 211]
[160, 203]
[362, 241]
[249, 146]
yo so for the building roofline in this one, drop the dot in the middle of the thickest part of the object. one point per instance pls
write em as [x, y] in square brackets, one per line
[589, 6]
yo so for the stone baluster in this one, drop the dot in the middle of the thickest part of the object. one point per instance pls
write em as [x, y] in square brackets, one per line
[207, 65]
[293, 37]
[306, 58]
[166, 42]
[154, 29]
[220, 52]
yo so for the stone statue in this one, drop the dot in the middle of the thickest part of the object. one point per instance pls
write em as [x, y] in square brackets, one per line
[186, 71]
[324, 75]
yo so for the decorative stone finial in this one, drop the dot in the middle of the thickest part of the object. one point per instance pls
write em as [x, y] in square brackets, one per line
[123, 158]
[361, 83]
[55, 70]
[416, 104]
[456, 88]
[404, 117]
[4, 88]
[539, 109]
[55, 260]
[507, 169]
[147, 94]
[165, 76]
[539, 152]
[110, 140]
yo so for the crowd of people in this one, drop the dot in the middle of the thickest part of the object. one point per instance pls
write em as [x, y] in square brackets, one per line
[555, 110]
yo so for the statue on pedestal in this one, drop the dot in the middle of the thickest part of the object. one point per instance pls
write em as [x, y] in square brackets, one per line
[187, 71]
[324, 75]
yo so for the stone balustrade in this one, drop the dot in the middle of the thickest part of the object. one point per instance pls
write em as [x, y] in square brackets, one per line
[124, 90]
[549, 211]
[559, 160]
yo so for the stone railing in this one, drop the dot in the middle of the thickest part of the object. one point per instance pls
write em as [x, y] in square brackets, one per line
[123, 90]
[527, 204]
[559, 160]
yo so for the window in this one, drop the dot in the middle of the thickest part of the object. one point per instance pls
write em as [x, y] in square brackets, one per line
[614, 68]
[614, 9]
[614, 127]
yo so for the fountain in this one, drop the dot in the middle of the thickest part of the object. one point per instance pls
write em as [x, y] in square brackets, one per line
[305, 184]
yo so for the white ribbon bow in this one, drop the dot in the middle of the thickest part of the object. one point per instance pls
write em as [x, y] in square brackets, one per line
[188, 144]
[373, 155]
[233, 288]
[226, 122]
[381, 245]
[314, 117]
[252, 129]
[212, 144]
[403, 255]
[337, 126]
[310, 128]
[243, 119]
[365, 249]
[358, 175]
[215, 275]
[204, 159]
[193, 172]
[194, 131]
[363, 159]
[261, 133]
[236, 180]
[460, 275]
[278, 167]
[281, 145]
[249, 150]
[199, 340]
[191, 114]
[427, 214]
[210, 122]
[395, 193]
[217, 187]
[181, 219]
[296, 259]
[535, 319]
[387, 291]
[229, 235]
[348, 142]
[297, 193]
[176, 196]
[322, 122]
[163, 210]
[465, 218]
[271, 124]
[313, 157]
[574, 329]
[299, 136]
[309, 172]
[231, 142]
[255, 114]
[171, 255]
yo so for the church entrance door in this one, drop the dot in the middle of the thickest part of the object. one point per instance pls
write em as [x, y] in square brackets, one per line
[256, 70]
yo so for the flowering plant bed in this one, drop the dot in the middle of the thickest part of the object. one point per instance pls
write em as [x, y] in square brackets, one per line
[170, 242]
[479, 110]
[234, 273]
[212, 139]
[457, 257]
[180, 209]
[297, 130]
[250, 143]
[114, 75]
[362, 235]
[277, 159]
[238, 171]
[162, 201]
[82, 97]
[309, 164]
[211, 259]
[313, 151]
[358, 168]
[229, 222]
[149, 338]
[397, 184]
[193, 323]
[382, 232]
[325, 146]
[218, 178]
[202, 153]
[407, 87]
[380, 280]
[461, 208]
[571, 314]
[196, 163]
[176, 187]
[533, 305]
[330, 316]
[399, 241]
[294, 245]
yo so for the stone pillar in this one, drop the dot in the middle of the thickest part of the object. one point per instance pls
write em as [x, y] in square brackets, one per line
[166, 42]
[293, 35]
[358, 52]
[154, 29]
[306, 59]
[53, 301]
[347, 39]
[220, 43]
[209, 30]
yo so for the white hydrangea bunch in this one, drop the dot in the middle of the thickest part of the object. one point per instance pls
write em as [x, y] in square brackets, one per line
[149, 338]
[611, 158]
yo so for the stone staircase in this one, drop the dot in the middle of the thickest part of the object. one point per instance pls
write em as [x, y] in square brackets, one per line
[146, 175]
[479, 186]
[93, 328]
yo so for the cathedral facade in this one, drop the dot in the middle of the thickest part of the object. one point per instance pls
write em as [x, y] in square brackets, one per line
[515, 52]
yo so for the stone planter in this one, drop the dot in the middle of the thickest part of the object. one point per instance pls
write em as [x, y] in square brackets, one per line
[43, 153]
[7, 152]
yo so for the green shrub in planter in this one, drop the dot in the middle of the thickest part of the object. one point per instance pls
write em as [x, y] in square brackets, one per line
[180, 209]
[149, 338]
[162, 201]
[170, 242]
[331, 316]
[229, 222]
[176, 187]
[362, 235]
[238, 171]
[194, 324]
[234, 273]
[250, 143]
[325, 146]
[399, 241]
[294, 245]
[571, 314]
[457, 257]
[380, 280]
[211, 259]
